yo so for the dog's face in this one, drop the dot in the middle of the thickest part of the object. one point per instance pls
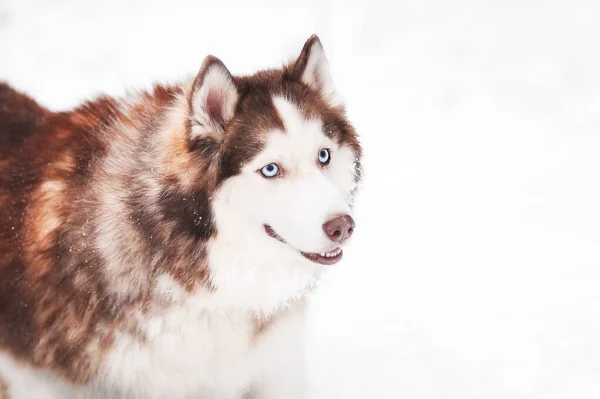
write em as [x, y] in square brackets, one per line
[288, 166]
[296, 189]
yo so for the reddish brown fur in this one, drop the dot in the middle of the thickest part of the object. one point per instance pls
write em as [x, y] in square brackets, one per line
[107, 171]
[52, 279]
[3, 390]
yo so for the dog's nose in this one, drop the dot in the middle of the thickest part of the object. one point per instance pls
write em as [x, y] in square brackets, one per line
[340, 228]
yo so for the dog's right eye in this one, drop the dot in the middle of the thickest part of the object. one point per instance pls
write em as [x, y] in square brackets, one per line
[269, 171]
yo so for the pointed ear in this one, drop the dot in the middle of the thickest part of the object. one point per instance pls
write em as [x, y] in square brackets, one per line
[212, 100]
[312, 68]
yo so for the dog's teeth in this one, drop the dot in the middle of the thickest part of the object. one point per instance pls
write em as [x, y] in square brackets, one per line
[331, 254]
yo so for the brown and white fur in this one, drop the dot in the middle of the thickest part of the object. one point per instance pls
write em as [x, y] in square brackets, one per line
[143, 254]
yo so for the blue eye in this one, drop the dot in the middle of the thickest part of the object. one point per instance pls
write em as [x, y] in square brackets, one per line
[324, 156]
[269, 171]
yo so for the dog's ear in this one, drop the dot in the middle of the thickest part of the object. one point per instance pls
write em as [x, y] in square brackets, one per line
[212, 100]
[312, 68]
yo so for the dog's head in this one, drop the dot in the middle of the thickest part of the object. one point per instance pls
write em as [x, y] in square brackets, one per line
[288, 163]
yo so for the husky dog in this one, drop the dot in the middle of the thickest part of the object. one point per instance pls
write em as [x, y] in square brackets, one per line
[163, 245]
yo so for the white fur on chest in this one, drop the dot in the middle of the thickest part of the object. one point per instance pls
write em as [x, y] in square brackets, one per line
[192, 352]
[183, 354]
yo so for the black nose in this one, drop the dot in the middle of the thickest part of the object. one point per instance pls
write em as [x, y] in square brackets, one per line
[340, 228]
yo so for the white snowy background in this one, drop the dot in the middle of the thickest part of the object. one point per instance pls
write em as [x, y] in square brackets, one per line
[475, 269]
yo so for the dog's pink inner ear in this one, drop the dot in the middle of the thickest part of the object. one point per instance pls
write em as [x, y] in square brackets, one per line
[212, 100]
[214, 106]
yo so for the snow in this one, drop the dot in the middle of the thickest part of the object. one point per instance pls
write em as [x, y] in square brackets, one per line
[475, 268]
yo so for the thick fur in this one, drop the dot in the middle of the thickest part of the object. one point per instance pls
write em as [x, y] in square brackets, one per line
[134, 261]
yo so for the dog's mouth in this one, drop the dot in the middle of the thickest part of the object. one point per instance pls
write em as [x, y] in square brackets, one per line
[325, 258]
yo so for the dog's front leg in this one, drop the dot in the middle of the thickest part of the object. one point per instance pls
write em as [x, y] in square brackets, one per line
[283, 358]
[285, 382]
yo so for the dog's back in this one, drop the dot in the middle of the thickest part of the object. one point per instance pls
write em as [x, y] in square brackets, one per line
[20, 118]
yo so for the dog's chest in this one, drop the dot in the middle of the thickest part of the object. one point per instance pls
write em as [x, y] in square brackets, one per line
[182, 353]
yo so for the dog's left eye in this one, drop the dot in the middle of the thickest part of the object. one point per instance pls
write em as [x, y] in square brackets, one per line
[324, 156]
[269, 171]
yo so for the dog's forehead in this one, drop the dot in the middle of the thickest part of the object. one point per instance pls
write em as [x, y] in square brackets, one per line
[298, 127]
[287, 107]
